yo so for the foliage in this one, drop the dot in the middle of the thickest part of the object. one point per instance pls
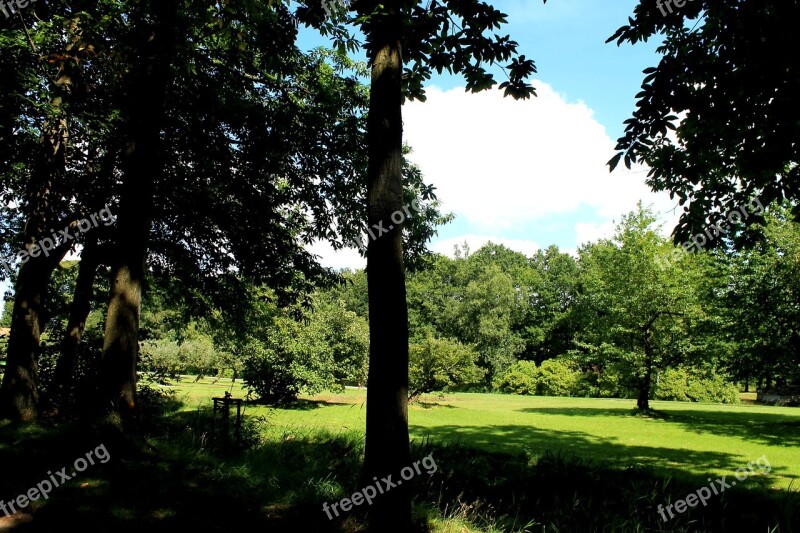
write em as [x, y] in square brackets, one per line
[559, 377]
[441, 365]
[634, 311]
[345, 336]
[521, 378]
[713, 160]
[760, 300]
[284, 360]
[682, 385]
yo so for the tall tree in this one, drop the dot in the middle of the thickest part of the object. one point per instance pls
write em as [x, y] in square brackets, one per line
[405, 41]
[43, 201]
[761, 300]
[43, 181]
[143, 162]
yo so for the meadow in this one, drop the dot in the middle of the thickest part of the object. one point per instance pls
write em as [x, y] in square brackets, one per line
[685, 438]
[503, 463]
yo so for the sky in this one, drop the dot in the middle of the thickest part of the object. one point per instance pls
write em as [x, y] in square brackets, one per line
[528, 174]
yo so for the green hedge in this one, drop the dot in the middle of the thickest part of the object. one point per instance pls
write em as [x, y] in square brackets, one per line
[555, 377]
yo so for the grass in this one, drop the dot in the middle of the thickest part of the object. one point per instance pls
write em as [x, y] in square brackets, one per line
[504, 463]
[687, 438]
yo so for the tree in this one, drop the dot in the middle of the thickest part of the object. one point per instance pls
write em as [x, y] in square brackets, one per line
[761, 300]
[405, 41]
[548, 328]
[346, 339]
[727, 88]
[51, 123]
[143, 162]
[635, 312]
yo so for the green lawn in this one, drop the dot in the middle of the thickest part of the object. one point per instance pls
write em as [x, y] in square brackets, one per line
[175, 475]
[706, 440]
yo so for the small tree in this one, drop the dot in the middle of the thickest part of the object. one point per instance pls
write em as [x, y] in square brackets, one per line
[346, 339]
[441, 364]
[285, 360]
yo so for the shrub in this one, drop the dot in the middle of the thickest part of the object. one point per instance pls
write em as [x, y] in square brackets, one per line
[441, 364]
[520, 378]
[559, 377]
[682, 385]
[289, 359]
[673, 385]
[713, 389]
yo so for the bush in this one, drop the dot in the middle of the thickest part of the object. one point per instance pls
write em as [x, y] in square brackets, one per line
[289, 359]
[441, 364]
[559, 377]
[673, 385]
[521, 378]
[682, 385]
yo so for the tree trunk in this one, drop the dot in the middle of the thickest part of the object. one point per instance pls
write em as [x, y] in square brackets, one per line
[19, 394]
[78, 312]
[142, 162]
[643, 403]
[387, 443]
[20, 389]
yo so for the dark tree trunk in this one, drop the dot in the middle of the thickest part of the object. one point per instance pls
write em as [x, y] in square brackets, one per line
[643, 403]
[387, 443]
[20, 389]
[78, 312]
[142, 162]
[19, 394]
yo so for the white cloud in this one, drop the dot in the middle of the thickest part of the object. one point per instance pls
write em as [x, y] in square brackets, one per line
[503, 166]
[590, 232]
[347, 258]
[501, 163]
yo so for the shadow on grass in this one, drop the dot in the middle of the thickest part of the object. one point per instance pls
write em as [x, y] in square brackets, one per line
[775, 429]
[677, 462]
[172, 482]
[432, 405]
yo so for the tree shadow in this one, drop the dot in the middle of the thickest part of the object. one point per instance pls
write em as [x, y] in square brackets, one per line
[432, 405]
[578, 445]
[166, 484]
[774, 429]
[767, 428]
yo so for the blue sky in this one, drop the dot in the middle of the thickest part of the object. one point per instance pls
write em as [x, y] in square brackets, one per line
[530, 174]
